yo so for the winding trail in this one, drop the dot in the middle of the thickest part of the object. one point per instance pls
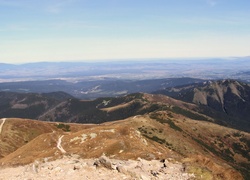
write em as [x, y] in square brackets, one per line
[59, 146]
[1, 126]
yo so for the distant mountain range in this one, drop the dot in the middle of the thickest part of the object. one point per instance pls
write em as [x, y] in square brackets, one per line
[226, 101]
[91, 89]
[213, 68]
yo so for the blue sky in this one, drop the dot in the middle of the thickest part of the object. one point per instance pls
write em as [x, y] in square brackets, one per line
[73, 30]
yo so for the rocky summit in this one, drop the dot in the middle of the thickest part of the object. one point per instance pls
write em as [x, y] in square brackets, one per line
[73, 167]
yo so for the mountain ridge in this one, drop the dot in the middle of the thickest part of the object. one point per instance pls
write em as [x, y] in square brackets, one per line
[229, 99]
[202, 148]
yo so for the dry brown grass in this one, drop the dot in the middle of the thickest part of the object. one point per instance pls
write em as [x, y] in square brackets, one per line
[127, 139]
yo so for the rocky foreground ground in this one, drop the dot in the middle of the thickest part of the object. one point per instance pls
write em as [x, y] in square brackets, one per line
[73, 167]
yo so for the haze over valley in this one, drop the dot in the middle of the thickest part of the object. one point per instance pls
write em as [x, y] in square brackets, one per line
[105, 79]
[202, 68]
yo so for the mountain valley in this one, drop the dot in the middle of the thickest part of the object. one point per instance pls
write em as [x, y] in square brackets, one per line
[153, 127]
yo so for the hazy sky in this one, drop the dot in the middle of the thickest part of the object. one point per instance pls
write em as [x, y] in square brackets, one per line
[59, 30]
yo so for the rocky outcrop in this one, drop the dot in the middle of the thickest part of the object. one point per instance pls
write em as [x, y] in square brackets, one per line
[72, 167]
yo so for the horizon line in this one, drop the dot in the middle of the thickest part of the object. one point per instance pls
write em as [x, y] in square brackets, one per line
[128, 60]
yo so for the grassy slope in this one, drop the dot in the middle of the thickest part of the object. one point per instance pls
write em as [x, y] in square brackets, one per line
[166, 136]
